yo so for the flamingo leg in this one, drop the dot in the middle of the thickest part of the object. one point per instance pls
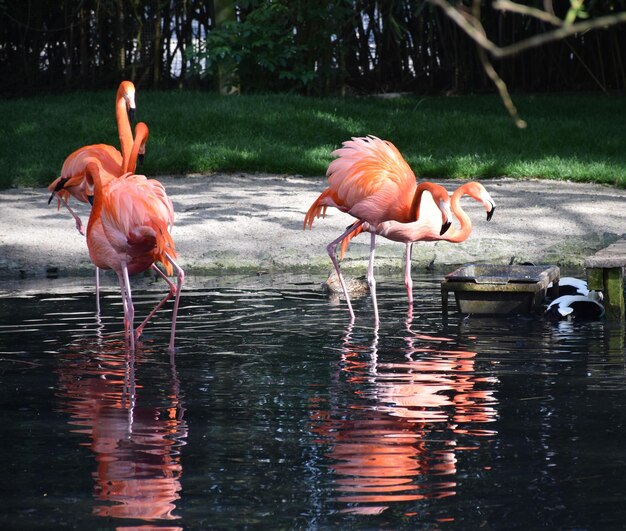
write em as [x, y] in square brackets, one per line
[371, 281]
[408, 281]
[129, 309]
[79, 223]
[174, 289]
[120, 278]
[171, 291]
[331, 248]
[180, 275]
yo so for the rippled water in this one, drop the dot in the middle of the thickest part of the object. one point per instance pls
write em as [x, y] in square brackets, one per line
[275, 413]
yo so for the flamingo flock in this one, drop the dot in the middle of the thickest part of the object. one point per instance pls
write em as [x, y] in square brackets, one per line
[131, 218]
[130, 223]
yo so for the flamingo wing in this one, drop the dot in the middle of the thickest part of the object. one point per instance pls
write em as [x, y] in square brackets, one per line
[370, 174]
[370, 180]
[73, 182]
[137, 216]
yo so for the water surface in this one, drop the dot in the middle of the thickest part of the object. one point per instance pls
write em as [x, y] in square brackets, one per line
[275, 413]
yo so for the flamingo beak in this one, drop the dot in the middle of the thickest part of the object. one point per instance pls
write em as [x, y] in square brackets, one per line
[490, 212]
[446, 215]
[60, 185]
[90, 199]
[130, 106]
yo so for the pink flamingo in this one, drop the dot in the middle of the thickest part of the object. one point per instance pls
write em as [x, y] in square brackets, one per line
[427, 227]
[129, 231]
[76, 164]
[72, 181]
[371, 181]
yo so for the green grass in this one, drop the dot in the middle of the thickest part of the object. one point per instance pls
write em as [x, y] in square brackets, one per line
[570, 137]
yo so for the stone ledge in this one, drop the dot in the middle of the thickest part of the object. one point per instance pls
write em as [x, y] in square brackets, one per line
[612, 256]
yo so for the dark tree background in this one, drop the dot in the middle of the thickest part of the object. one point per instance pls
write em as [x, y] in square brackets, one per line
[307, 46]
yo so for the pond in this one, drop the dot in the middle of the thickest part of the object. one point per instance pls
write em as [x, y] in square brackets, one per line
[275, 413]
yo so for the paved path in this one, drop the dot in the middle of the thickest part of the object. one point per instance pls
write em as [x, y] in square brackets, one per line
[245, 223]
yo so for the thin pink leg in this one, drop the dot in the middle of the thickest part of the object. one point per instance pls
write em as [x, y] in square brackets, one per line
[167, 297]
[129, 309]
[120, 278]
[180, 274]
[408, 281]
[174, 289]
[331, 248]
[371, 281]
[79, 223]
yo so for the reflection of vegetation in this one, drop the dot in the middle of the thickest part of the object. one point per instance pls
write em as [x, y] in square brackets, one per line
[574, 138]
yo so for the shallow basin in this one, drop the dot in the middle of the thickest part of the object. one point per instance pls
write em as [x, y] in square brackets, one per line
[500, 289]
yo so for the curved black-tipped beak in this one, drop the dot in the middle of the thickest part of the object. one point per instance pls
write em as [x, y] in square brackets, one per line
[90, 199]
[60, 185]
[444, 228]
[131, 115]
[490, 213]
[140, 158]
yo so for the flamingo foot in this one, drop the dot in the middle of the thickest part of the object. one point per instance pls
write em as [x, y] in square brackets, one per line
[79, 226]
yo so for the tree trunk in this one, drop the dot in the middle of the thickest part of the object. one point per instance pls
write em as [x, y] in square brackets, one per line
[157, 48]
[228, 77]
[120, 52]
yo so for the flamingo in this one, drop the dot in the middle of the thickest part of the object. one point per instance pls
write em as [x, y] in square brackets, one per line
[370, 180]
[111, 170]
[72, 181]
[427, 227]
[129, 231]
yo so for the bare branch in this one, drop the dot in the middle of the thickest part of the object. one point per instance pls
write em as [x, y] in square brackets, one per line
[532, 42]
[467, 26]
[493, 75]
[507, 5]
[560, 33]
[502, 89]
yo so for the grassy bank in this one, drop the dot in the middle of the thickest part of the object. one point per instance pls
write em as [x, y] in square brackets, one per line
[573, 137]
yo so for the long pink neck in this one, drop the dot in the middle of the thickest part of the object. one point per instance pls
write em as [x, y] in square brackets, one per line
[417, 199]
[461, 234]
[123, 125]
[130, 159]
[93, 171]
[415, 205]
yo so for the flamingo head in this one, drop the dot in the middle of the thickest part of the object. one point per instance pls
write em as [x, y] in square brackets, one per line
[446, 214]
[441, 197]
[477, 191]
[92, 177]
[489, 204]
[59, 186]
[141, 132]
[127, 91]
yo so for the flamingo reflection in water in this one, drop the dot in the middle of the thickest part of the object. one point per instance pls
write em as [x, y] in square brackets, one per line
[136, 446]
[399, 439]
